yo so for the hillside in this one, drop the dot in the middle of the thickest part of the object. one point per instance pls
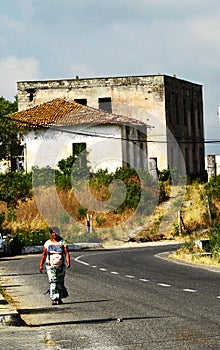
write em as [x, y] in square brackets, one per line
[162, 223]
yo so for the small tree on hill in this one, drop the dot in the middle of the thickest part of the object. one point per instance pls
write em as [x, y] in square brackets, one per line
[9, 143]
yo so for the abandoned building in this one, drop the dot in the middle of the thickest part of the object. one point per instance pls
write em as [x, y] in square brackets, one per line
[172, 107]
[59, 128]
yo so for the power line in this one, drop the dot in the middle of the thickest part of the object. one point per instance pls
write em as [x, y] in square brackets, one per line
[99, 135]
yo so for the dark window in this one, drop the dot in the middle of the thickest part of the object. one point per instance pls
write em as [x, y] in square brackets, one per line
[105, 103]
[184, 112]
[201, 159]
[198, 114]
[127, 130]
[17, 162]
[192, 116]
[177, 111]
[81, 101]
[187, 159]
[31, 93]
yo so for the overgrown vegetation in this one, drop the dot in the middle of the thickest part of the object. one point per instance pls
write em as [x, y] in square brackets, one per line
[202, 218]
[9, 142]
[153, 203]
[15, 187]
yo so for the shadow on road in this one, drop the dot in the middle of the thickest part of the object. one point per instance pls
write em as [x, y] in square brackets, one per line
[99, 320]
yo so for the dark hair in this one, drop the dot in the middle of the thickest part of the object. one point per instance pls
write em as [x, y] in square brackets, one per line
[55, 229]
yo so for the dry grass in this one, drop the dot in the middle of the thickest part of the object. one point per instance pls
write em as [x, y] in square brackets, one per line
[194, 210]
[49, 207]
[195, 258]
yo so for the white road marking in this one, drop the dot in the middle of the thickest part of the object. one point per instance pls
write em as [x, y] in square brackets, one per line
[190, 290]
[143, 280]
[81, 262]
[163, 285]
[132, 277]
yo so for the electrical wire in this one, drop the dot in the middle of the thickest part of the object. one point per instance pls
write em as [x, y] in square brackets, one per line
[99, 135]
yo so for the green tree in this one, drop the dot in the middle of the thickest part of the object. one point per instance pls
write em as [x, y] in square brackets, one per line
[8, 107]
[213, 188]
[9, 143]
[15, 187]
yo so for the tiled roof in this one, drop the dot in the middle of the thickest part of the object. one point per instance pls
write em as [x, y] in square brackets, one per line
[62, 112]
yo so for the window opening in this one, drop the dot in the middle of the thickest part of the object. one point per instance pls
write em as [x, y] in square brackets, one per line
[105, 104]
[31, 93]
[81, 101]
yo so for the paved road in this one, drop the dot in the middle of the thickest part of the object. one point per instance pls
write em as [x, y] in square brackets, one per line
[119, 299]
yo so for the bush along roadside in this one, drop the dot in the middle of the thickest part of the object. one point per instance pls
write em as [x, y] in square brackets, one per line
[25, 238]
[214, 242]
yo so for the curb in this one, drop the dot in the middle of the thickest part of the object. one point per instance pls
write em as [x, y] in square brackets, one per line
[72, 247]
[8, 315]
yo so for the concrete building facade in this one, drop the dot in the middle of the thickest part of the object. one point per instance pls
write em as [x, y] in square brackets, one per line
[172, 107]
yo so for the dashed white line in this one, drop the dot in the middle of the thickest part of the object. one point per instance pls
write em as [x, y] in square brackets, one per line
[163, 285]
[140, 279]
[190, 290]
[143, 280]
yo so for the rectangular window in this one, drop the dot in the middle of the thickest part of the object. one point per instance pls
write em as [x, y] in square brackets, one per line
[31, 93]
[177, 111]
[198, 116]
[81, 101]
[192, 116]
[184, 112]
[105, 104]
[187, 160]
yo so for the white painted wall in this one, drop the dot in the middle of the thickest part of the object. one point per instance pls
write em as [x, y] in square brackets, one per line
[47, 147]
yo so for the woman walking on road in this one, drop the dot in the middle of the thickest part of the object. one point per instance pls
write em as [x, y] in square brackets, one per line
[56, 255]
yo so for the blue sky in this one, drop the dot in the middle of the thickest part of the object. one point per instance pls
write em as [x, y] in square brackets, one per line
[59, 39]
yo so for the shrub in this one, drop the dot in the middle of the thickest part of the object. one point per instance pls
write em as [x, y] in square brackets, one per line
[140, 189]
[24, 238]
[43, 176]
[82, 212]
[213, 188]
[64, 218]
[85, 237]
[100, 220]
[214, 241]
[15, 187]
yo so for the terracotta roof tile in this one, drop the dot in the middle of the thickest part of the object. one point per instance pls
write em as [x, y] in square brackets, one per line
[62, 112]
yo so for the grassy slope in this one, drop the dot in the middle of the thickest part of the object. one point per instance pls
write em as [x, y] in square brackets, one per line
[163, 222]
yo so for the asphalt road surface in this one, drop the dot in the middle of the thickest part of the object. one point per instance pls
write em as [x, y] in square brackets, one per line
[129, 299]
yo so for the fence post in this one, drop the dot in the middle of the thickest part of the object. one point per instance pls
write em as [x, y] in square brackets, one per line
[208, 208]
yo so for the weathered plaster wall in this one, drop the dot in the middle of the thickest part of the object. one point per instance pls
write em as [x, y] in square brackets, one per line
[47, 148]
